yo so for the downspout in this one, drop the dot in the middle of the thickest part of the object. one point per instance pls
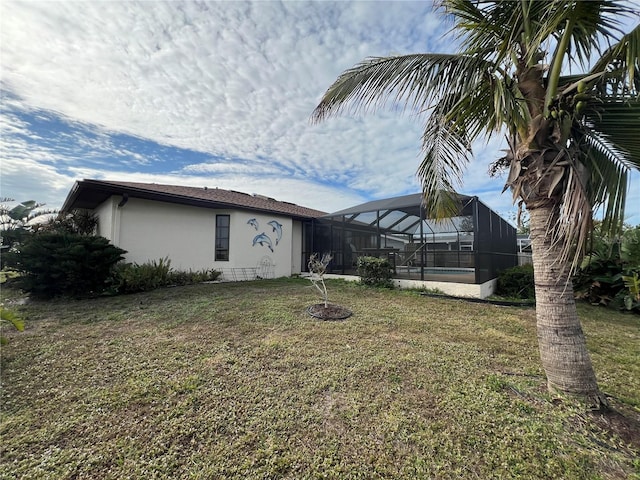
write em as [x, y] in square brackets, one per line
[125, 199]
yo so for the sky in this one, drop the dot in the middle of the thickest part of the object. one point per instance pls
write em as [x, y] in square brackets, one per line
[216, 94]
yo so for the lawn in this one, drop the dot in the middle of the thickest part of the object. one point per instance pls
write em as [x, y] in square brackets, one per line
[236, 380]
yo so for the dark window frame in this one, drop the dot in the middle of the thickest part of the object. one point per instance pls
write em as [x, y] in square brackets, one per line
[222, 237]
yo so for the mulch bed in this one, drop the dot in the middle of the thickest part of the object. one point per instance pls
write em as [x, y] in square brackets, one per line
[330, 312]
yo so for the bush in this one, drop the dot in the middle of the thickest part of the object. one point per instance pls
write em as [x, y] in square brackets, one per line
[517, 282]
[64, 264]
[134, 277]
[376, 272]
[10, 241]
[608, 272]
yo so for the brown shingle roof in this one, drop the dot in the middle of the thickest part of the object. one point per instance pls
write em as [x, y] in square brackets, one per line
[91, 193]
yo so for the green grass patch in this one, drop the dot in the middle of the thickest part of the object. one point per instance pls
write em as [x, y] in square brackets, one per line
[237, 381]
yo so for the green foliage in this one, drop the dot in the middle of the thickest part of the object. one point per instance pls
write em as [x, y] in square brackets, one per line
[517, 282]
[607, 274]
[632, 300]
[375, 272]
[134, 277]
[630, 246]
[81, 222]
[10, 241]
[7, 317]
[64, 264]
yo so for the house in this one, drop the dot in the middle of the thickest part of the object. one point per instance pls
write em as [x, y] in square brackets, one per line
[248, 236]
[241, 235]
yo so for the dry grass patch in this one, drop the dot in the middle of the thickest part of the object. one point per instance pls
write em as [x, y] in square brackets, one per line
[237, 381]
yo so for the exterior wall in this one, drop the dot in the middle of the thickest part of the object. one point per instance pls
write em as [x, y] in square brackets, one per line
[151, 230]
[106, 216]
[255, 238]
[472, 290]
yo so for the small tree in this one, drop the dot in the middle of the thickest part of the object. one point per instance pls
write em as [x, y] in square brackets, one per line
[317, 269]
[55, 263]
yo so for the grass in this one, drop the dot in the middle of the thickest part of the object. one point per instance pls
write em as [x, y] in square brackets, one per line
[237, 381]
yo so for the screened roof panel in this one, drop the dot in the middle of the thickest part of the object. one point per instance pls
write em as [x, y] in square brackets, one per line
[366, 217]
[406, 203]
[408, 225]
[392, 217]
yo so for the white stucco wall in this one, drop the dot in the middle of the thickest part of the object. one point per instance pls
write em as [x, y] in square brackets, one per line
[105, 214]
[151, 230]
[455, 289]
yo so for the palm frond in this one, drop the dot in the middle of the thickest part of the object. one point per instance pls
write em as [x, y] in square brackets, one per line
[495, 28]
[428, 83]
[416, 81]
[446, 151]
[618, 122]
[592, 23]
[624, 57]
[494, 103]
[576, 215]
[608, 167]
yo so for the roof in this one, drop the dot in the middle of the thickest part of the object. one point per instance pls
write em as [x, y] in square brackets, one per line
[404, 214]
[402, 203]
[88, 194]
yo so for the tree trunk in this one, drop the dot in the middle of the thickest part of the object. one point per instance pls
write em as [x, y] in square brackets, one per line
[563, 350]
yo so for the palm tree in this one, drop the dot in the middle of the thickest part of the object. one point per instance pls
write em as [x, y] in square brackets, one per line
[572, 138]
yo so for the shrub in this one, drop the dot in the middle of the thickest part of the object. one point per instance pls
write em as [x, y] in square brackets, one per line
[607, 274]
[55, 263]
[82, 222]
[376, 272]
[517, 282]
[134, 277]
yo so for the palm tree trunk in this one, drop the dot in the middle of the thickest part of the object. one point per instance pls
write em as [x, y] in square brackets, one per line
[563, 349]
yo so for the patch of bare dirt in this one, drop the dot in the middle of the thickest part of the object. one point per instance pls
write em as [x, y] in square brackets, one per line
[625, 425]
[330, 312]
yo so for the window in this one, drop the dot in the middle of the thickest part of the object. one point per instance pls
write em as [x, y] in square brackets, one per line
[466, 246]
[222, 237]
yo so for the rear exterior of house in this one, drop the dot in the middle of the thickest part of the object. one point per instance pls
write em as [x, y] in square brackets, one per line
[244, 236]
[251, 236]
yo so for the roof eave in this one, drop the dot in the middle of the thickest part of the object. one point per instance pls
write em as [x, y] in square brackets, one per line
[109, 190]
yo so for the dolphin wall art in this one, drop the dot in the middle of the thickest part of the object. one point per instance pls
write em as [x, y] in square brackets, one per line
[263, 239]
[253, 222]
[277, 227]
